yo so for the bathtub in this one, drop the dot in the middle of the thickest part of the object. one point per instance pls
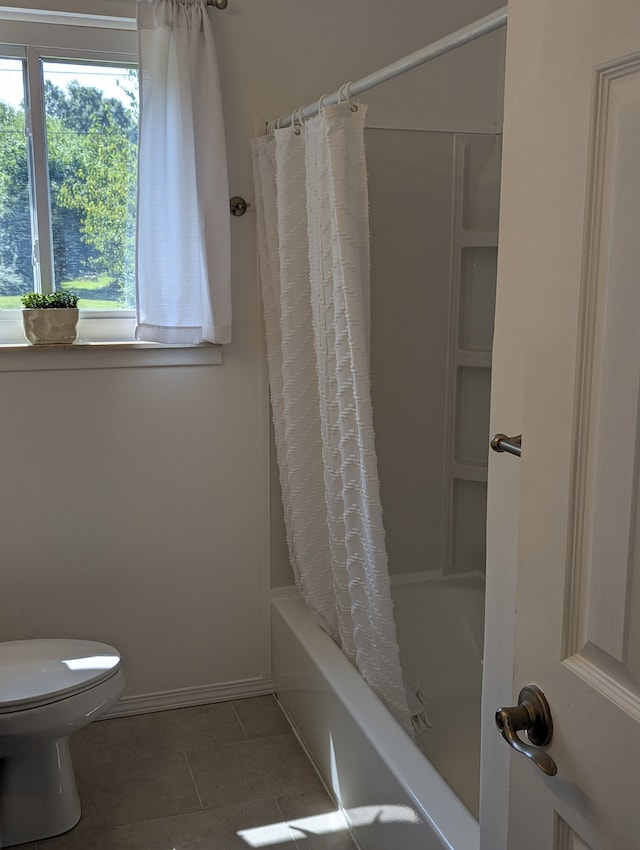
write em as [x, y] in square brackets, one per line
[390, 794]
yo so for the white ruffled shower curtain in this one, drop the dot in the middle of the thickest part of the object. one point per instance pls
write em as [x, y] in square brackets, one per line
[313, 237]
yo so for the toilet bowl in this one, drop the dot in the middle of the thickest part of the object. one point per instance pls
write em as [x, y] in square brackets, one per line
[48, 689]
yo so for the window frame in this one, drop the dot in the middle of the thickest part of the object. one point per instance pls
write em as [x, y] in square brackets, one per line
[33, 43]
[106, 338]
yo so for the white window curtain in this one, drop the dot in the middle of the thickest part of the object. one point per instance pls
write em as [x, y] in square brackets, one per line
[183, 230]
[313, 240]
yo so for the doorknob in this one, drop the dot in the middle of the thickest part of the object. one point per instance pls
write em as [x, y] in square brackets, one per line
[532, 715]
[502, 443]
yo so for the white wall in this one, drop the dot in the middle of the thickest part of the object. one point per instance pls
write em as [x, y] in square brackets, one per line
[148, 528]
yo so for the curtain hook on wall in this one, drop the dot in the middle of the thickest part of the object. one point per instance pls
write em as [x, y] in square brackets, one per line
[238, 206]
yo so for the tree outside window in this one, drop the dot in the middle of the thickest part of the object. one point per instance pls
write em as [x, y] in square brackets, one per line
[91, 113]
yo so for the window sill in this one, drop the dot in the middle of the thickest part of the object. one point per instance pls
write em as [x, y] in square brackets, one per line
[22, 357]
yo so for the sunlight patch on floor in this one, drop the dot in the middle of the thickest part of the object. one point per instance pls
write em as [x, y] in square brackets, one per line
[299, 829]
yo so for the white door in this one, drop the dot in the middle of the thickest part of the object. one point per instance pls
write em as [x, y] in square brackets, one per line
[564, 521]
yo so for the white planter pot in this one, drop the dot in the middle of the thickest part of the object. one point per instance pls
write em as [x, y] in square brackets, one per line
[51, 326]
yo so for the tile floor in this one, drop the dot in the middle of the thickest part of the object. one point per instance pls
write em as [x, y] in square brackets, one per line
[202, 778]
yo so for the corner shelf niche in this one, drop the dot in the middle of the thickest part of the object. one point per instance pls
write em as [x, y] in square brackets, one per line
[474, 248]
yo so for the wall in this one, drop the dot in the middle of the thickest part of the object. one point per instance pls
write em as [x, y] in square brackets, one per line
[143, 517]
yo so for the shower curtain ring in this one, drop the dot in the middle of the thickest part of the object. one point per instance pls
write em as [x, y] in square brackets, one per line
[296, 121]
[345, 92]
[321, 102]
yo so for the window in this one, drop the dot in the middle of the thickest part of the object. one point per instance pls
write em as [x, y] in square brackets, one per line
[68, 148]
[68, 132]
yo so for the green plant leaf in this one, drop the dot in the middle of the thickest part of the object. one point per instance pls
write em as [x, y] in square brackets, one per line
[53, 300]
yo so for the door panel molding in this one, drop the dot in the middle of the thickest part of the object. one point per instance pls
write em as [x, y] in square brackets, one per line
[565, 838]
[602, 621]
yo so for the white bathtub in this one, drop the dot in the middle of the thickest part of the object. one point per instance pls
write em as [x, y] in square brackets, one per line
[440, 629]
[391, 796]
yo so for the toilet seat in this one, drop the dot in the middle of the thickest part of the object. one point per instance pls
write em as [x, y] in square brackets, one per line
[37, 672]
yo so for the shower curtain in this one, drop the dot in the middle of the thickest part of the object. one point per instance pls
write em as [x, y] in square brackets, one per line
[313, 242]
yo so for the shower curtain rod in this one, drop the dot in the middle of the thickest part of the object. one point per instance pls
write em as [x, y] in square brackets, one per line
[483, 26]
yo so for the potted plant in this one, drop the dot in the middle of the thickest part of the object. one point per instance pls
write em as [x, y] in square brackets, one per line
[50, 319]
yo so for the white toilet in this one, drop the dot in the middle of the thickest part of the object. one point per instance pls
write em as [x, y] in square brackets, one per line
[48, 689]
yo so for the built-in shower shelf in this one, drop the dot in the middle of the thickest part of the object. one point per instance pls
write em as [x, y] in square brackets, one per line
[469, 471]
[476, 183]
[474, 359]
[478, 238]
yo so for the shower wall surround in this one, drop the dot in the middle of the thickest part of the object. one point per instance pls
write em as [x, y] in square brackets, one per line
[434, 219]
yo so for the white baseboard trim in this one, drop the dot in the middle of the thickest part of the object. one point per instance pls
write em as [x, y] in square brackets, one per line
[185, 697]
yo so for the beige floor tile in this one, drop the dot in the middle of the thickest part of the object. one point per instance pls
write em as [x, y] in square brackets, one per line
[315, 822]
[214, 829]
[265, 767]
[261, 717]
[83, 834]
[137, 783]
[159, 733]
[127, 791]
